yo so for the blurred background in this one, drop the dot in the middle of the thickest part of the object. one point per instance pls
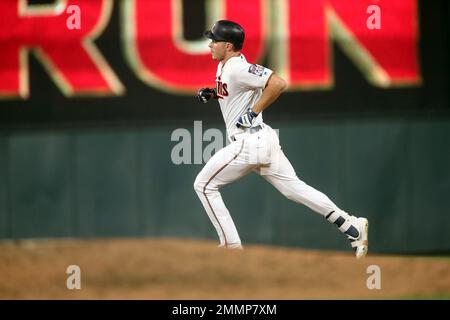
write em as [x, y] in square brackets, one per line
[88, 112]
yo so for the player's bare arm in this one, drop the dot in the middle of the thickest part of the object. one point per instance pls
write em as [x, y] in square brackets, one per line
[275, 86]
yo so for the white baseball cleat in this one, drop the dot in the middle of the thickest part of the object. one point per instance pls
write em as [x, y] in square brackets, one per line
[362, 242]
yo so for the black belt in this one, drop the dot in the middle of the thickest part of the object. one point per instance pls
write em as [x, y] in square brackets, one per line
[251, 130]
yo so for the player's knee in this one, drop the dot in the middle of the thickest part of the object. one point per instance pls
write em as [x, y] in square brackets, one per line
[198, 185]
[203, 187]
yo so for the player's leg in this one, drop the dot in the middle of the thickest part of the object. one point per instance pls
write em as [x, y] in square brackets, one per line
[226, 166]
[282, 176]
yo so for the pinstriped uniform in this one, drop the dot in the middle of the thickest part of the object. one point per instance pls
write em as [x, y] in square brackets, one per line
[239, 86]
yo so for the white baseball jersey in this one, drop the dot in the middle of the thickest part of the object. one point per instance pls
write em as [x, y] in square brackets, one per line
[239, 86]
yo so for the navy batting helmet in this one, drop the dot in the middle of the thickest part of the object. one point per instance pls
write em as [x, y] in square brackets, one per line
[229, 31]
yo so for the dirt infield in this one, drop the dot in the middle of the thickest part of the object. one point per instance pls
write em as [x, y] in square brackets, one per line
[188, 269]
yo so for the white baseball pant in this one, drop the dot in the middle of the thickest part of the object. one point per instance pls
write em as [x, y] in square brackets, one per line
[259, 152]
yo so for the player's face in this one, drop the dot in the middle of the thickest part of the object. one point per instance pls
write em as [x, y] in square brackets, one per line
[218, 49]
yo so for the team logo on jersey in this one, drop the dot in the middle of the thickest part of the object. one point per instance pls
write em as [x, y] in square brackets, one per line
[221, 89]
[256, 69]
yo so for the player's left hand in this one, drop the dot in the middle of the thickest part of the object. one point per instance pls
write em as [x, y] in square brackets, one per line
[245, 121]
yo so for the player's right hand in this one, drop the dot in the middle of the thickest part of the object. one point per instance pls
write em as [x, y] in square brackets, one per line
[245, 121]
[205, 94]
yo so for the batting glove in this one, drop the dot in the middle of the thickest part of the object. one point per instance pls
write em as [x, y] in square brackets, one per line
[205, 94]
[245, 121]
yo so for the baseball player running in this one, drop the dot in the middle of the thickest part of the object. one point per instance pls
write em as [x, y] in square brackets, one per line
[244, 90]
